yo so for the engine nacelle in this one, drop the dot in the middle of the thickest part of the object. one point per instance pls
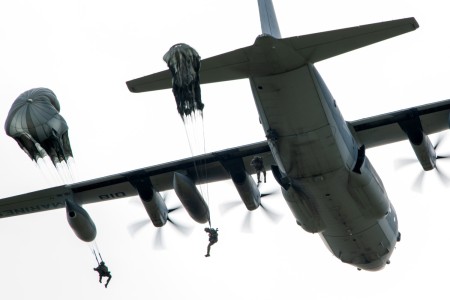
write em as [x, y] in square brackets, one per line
[247, 189]
[421, 144]
[80, 222]
[156, 209]
[151, 199]
[425, 153]
[191, 198]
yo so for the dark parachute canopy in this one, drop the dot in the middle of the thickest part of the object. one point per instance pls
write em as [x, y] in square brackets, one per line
[184, 64]
[36, 125]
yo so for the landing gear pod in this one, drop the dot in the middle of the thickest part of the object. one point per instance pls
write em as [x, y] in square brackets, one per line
[80, 221]
[191, 198]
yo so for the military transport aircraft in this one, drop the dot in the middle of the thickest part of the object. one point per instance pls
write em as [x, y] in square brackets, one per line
[317, 157]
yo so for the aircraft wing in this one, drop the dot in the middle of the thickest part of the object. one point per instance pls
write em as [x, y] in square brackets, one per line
[256, 60]
[205, 168]
[385, 129]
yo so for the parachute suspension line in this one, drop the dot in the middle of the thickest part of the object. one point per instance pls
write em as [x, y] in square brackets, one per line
[196, 137]
[206, 172]
[95, 255]
[71, 166]
[195, 141]
[48, 173]
[63, 172]
[96, 251]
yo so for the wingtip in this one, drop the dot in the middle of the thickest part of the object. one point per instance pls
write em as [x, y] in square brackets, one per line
[130, 87]
[415, 24]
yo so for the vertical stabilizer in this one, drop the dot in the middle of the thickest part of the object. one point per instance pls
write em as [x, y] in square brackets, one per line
[269, 24]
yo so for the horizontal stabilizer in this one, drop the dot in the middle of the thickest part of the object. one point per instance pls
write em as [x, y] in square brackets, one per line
[320, 46]
[268, 55]
[228, 66]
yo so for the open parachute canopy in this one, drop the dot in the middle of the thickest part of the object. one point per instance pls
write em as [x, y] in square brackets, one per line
[36, 125]
[184, 64]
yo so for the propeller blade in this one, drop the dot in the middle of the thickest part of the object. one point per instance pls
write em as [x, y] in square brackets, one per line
[136, 227]
[442, 156]
[418, 183]
[225, 207]
[173, 209]
[247, 224]
[273, 216]
[267, 194]
[185, 230]
[403, 162]
[438, 142]
[444, 178]
[436, 146]
[158, 240]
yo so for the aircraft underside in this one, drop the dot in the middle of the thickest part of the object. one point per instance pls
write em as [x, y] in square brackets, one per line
[317, 159]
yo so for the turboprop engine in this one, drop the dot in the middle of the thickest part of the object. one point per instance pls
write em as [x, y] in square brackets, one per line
[80, 221]
[156, 209]
[425, 152]
[191, 198]
[153, 202]
[244, 183]
[424, 149]
[247, 189]
[421, 144]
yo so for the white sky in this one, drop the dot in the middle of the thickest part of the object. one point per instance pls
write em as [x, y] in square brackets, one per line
[85, 51]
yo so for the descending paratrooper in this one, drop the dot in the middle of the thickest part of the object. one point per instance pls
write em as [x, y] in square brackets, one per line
[258, 164]
[213, 238]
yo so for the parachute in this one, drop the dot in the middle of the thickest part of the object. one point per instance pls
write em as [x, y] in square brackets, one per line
[184, 64]
[36, 125]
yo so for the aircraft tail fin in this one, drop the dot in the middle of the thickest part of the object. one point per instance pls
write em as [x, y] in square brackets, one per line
[269, 23]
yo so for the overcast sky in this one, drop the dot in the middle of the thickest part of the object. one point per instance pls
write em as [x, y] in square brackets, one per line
[85, 51]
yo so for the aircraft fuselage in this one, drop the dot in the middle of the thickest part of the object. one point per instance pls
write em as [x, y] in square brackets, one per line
[332, 188]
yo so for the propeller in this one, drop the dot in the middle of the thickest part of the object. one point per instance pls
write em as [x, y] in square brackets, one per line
[137, 226]
[418, 182]
[247, 222]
